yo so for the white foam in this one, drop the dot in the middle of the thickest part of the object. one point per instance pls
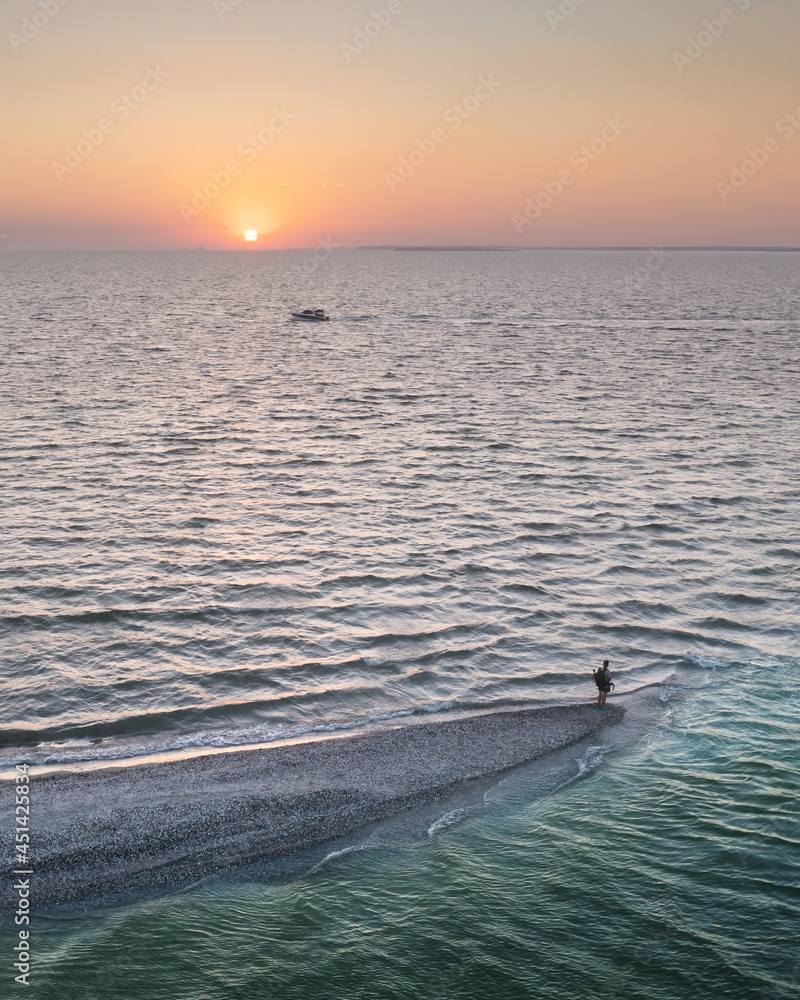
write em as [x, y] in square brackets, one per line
[338, 854]
[591, 758]
[440, 706]
[706, 662]
[84, 752]
[448, 820]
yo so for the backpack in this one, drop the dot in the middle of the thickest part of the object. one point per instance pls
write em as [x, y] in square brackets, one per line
[600, 679]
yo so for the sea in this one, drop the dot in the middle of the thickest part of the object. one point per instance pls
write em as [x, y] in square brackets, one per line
[487, 473]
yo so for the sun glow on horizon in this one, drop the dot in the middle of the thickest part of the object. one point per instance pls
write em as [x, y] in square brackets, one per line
[286, 151]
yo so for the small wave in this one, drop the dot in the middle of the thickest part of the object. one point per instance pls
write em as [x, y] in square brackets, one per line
[746, 600]
[367, 580]
[208, 615]
[447, 632]
[336, 727]
[591, 758]
[355, 849]
[77, 751]
[525, 588]
[721, 623]
[706, 662]
[449, 819]
[721, 501]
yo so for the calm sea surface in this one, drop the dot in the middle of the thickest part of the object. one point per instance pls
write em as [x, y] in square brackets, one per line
[488, 472]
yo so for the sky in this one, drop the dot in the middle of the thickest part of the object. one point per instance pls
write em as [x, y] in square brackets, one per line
[147, 124]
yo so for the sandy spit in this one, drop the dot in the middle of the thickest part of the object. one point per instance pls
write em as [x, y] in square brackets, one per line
[158, 826]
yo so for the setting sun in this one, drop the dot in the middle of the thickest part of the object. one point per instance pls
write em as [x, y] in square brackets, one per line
[251, 235]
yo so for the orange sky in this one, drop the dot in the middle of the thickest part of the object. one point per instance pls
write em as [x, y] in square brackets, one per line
[171, 123]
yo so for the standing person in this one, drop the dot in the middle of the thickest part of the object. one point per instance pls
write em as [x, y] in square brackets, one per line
[602, 679]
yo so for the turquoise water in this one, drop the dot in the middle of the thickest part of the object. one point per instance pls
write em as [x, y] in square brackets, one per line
[670, 870]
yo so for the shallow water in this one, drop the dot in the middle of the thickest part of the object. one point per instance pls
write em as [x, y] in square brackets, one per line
[487, 473]
[668, 867]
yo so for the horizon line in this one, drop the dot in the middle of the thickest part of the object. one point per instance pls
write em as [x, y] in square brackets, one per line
[426, 248]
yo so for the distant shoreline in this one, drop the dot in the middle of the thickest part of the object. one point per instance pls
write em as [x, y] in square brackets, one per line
[155, 827]
[644, 249]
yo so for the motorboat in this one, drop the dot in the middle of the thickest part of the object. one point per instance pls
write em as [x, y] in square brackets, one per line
[312, 315]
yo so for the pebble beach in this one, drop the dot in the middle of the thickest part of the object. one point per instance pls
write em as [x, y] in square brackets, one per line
[153, 827]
